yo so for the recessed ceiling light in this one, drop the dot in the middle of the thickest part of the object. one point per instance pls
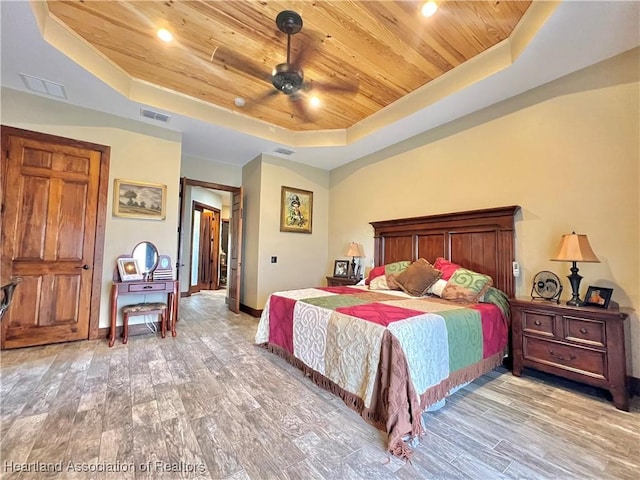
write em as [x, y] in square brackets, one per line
[315, 102]
[239, 101]
[165, 35]
[429, 8]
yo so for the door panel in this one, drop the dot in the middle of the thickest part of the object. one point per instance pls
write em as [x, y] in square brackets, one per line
[235, 256]
[204, 270]
[49, 231]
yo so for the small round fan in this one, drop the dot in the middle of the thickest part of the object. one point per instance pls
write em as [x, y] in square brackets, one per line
[547, 286]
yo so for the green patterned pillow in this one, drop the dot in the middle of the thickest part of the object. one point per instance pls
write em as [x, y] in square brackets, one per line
[466, 285]
[392, 270]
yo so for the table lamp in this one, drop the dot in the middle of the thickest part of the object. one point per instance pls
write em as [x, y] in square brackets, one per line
[354, 250]
[574, 248]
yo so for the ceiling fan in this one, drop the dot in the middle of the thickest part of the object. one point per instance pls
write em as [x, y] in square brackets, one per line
[288, 77]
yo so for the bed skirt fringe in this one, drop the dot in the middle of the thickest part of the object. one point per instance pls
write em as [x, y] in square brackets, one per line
[459, 377]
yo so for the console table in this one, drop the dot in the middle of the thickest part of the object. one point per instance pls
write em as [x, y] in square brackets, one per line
[170, 287]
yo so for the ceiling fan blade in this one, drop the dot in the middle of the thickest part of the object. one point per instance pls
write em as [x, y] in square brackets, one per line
[230, 60]
[301, 108]
[309, 41]
[262, 98]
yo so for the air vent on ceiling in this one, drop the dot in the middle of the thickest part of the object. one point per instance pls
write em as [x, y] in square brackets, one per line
[41, 85]
[284, 151]
[160, 117]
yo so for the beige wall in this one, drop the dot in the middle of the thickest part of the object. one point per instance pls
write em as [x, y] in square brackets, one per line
[138, 152]
[567, 153]
[211, 171]
[301, 257]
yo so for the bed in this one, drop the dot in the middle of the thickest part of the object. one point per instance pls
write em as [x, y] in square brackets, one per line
[390, 354]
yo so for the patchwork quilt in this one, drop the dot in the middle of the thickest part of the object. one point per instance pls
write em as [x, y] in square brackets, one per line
[386, 354]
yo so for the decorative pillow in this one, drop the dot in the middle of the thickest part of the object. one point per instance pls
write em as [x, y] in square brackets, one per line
[446, 267]
[437, 288]
[466, 285]
[375, 272]
[418, 277]
[392, 270]
[379, 283]
[388, 273]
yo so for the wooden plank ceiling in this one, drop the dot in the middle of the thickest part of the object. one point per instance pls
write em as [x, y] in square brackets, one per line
[367, 54]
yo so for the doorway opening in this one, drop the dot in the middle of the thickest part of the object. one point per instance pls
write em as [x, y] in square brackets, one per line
[210, 239]
[205, 247]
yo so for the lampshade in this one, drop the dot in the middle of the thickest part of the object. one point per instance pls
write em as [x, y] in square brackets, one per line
[575, 247]
[354, 250]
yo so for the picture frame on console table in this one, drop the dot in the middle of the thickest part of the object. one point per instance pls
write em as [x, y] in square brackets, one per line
[128, 269]
[598, 297]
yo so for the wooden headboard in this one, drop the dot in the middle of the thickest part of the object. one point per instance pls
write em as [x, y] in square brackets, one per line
[480, 240]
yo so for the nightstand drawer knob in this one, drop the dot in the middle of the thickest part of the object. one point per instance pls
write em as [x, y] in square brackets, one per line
[538, 322]
[583, 330]
[561, 357]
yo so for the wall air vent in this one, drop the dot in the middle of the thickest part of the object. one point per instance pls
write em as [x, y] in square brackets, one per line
[46, 87]
[160, 117]
[284, 151]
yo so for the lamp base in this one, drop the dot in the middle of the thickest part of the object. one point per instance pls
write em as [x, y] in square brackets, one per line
[574, 280]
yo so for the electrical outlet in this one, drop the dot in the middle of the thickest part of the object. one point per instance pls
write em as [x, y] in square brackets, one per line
[516, 269]
[274, 259]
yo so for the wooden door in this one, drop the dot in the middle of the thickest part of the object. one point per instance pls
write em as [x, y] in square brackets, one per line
[235, 256]
[53, 211]
[204, 254]
[209, 250]
[214, 234]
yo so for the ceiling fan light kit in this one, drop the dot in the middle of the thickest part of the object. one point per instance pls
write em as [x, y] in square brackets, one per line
[287, 78]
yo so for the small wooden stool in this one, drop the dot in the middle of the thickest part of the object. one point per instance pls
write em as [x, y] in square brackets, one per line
[144, 309]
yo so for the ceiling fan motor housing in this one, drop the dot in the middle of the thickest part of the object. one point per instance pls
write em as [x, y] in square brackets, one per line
[287, 79]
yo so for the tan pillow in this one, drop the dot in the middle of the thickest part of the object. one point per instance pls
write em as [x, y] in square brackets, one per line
[418, 277]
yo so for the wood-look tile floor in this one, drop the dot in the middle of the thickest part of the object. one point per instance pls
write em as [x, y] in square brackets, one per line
[209, 404]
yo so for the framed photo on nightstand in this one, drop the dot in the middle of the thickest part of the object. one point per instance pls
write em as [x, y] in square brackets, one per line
[341, 268]
[598, 297]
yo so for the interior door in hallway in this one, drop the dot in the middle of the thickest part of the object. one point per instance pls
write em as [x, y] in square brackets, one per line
[209, 250]
[52, 236]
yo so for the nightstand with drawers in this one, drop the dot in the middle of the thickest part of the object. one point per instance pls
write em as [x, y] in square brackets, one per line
[584, 344]
[341, 281]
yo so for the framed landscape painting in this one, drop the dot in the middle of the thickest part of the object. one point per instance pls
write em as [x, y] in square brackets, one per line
[146, 201]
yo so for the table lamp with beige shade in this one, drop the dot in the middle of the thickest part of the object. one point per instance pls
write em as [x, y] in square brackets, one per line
[354, 250]
[575, 248]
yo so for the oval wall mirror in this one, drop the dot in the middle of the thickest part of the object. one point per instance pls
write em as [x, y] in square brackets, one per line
[146, 254]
